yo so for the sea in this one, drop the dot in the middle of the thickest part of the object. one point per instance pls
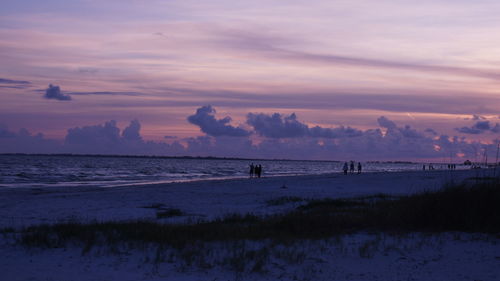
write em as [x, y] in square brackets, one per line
[18, 171]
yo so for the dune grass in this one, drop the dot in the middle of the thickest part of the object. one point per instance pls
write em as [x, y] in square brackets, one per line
[456, 208]
[246, 243]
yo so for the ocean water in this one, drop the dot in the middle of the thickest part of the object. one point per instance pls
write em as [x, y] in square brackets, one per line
[43, 170]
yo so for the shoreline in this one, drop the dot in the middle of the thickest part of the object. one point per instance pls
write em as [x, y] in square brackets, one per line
[148, 210]
[207, 199]
[105, 184]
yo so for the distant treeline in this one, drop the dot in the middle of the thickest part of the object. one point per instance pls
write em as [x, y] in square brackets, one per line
[391, 162]
[156, 157]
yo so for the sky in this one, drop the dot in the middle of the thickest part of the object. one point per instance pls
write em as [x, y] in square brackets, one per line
[330, 80]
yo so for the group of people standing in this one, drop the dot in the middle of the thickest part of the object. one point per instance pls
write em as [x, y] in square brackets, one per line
[431, 167]
[255, 171]
[350, 167]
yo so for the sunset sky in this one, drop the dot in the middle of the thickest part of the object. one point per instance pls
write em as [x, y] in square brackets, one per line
[390, 80]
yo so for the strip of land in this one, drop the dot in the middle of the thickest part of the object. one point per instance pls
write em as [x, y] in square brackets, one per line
[208, 199]
[425, 225]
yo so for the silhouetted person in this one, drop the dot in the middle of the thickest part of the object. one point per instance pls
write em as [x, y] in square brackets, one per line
[359, 167]
[345, 168]
[252, 170]
[423, 167]
[259, 170]
[352, 167]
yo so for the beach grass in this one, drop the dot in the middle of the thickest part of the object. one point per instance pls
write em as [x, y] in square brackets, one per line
[168, 213]
[466, 208]
[247, 243]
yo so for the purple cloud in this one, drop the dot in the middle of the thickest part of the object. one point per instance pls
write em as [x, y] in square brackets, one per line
[23, 141]
[14, 84]
[476, 117]
[431, 132]
[107, 93]
[268, 48]
[132, 132]
[9, 81]
[480, 127]
[54, 92]
[291, 139]
[384, 122]
[107, 139]
[281, 126]
[5, 133]
[496, 128]
[205, 119]
[106, 135]
[277, 126]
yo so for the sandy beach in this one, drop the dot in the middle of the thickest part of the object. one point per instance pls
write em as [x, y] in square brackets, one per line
[447, 256]
[206, 199]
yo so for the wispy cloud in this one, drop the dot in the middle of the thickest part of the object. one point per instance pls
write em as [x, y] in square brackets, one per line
[106, 93]
[9, 81]
[14, 84]
[265, 47]
[422, 101]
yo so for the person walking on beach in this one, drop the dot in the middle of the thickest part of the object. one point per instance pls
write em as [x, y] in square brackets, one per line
[359, 167]
[345, 168]
[352, 167]
[252, 170]
[258, 170]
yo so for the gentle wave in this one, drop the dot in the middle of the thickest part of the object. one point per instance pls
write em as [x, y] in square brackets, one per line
[46, 170]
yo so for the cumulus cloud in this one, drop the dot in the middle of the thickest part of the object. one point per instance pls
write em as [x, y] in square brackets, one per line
[406, 131]
[342, 131]
[132, 132]
[468, 130]
[496, 128]
[205, 119]
[475, 117]
[54, 92]
[282, 136]
[277, 126]
[105, 135]
[282, 126]
[384, 122]
[480, 127]
[23, 141]
[431, 132]
[371, 145]
[5, 133]
[107, 138]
